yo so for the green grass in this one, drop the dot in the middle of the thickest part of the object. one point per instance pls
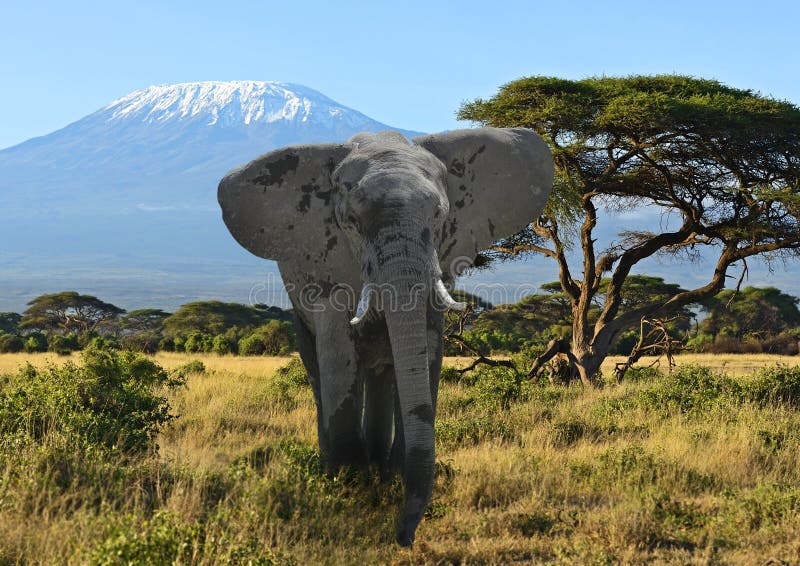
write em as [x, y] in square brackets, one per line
[693, 467]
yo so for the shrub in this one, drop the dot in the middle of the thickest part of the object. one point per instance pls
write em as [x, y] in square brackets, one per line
[192, 366]
[163, 540]
[494, 341]
[36, 342]
[166, 344]
[689, 389]
[526, 355]
[251, 345]
[471, 429]
[449, 374]
[293, 374]
[223, 344]
[499, 387]
[568, 431]
[273, 339]
[102, 343]
[63, 344]
[640, 373]
[778, 384]
[11, 343]
[700, 342]
[198, 342]
[147, 342]
[108, 402]
[731, 345]
[289, 383]
[784, 343]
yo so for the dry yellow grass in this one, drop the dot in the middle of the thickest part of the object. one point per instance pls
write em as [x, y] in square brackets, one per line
[559, 475]
[264, 366]
[732, 364]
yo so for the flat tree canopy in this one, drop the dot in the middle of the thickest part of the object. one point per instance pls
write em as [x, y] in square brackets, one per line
[722, 163]
[214, 317]
[752, 312]
[67, 311]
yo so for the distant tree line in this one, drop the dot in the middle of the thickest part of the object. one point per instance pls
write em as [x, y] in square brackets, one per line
[749, 320]
[68, 321]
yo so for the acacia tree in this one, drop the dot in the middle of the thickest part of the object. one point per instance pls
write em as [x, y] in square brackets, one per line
[9, 322]
[723, 162]
[753, 312]
[67, 311]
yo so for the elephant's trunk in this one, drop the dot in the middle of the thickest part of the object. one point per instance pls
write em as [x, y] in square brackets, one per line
[406, 322]
[404, 268]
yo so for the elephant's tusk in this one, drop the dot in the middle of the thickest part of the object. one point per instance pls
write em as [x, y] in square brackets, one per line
[363, 305]
[444, 296]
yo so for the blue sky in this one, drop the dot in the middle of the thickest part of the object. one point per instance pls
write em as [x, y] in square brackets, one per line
[409, 64]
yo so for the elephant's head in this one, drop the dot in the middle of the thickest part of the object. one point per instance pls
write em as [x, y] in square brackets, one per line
[391, 219]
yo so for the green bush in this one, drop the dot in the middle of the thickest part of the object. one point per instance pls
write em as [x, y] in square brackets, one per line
[170, 539]
[449, 374]
[293, 374]
[777, 384]
[471, 429]
[700, 342]
[110, 402]
[289, 384]
[102, 343]
[146, 342]
[11, 343]
[494, 341]
[690, 389]
[639, 373]
[198, 342]
[36, 342]
[499, 387]
[251, 345]
[275, 338]
[162, 540]
[63, 344]
[182, 371]
[223, 344]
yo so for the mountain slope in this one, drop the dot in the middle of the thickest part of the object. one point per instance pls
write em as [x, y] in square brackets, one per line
[122, 203]
[168, 145]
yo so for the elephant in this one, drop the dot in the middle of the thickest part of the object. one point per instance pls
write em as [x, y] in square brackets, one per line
[369, 235]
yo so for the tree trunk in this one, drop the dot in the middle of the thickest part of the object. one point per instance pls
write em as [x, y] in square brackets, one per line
[584, 364]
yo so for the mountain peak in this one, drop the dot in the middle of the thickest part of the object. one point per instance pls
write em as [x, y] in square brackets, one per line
[229, 103]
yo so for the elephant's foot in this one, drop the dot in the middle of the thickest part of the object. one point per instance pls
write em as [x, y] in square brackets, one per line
[405, 535]
[409, 521]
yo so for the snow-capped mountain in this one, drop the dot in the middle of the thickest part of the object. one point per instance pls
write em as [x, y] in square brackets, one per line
[233, 103]
[167, 145]
[122, 203]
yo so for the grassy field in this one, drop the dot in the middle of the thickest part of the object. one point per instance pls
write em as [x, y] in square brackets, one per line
[260, 366]
[693, 468]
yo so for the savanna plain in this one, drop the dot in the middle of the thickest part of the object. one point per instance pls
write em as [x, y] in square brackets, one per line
[699, 465]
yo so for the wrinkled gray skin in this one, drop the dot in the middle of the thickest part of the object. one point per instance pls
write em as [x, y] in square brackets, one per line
[380, 212]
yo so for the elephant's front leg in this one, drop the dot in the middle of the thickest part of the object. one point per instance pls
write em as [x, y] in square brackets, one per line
[341, 389]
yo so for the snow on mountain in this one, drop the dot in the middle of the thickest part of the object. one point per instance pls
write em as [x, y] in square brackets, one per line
[232, 103]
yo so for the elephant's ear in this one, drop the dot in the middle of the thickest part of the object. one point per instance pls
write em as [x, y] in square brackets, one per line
[279, 204]
[498, 181]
